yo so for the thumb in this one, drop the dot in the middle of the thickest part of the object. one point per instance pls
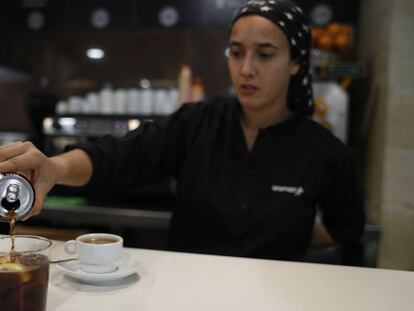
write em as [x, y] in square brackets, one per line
[41, 190]
[37, 207]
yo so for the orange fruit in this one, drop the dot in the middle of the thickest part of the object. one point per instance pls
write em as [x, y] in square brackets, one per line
[334, 28]
[346, 29]
[342, 43]
[316, 32]
[325, 42]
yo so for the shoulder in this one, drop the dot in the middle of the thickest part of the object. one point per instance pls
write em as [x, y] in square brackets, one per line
[194, 120]
[318, 134]
[216, 105]
[324, 143]
[210, 111]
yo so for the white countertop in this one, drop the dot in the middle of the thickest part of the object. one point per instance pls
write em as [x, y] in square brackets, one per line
[178, 281]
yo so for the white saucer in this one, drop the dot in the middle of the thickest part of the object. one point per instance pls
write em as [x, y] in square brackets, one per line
[127, 265]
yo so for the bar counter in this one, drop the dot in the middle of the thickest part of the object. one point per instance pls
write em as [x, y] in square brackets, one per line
[180, 281]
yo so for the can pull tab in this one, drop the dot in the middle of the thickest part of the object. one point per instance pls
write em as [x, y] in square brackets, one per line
[11, 200]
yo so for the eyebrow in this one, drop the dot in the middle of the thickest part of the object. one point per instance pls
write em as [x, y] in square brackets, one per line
[268, 45]
[260, 45]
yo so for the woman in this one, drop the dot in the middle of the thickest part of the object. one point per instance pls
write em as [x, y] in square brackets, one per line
[250, 171]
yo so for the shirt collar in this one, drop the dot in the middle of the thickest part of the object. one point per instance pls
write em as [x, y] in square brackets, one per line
[287, 123]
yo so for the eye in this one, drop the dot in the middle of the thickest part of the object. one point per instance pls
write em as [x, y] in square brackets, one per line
[234, 53]
[265, 56]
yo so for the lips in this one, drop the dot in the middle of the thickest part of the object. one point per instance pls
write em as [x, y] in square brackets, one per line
[248, 89]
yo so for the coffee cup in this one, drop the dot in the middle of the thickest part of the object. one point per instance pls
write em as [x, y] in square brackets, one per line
[97, 252]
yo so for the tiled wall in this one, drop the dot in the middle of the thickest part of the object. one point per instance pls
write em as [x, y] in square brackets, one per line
[386, 43]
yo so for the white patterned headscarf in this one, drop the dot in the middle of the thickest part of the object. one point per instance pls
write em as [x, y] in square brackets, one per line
[291, 20]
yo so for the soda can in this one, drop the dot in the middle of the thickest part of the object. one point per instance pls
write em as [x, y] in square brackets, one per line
[17, 194]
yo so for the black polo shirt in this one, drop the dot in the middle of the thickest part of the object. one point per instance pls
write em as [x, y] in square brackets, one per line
[231, 201]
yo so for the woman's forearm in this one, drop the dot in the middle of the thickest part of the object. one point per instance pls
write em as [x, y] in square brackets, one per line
[74, 168]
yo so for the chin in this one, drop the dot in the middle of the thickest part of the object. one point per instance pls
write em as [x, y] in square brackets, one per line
[250, 103]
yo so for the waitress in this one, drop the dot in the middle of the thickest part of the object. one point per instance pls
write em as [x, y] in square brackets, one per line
[251, 171]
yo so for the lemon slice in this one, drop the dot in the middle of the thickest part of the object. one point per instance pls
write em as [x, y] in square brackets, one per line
[12, 267]
[23, 274]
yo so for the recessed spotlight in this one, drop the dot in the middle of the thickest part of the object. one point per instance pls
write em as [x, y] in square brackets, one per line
[95, 53]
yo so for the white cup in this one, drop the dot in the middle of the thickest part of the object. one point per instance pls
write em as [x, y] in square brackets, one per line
[97, 252]
[120, 101]
[106, 98]
[75, 104]
[134, 101]
[147, 101]
[93, 102]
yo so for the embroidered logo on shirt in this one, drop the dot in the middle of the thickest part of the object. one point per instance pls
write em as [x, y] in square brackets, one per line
[296, 191]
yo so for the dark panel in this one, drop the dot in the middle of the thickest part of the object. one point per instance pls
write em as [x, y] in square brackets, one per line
[46, 15]
[6, 30]
[169, 14]
[219, 13]
[4, 12]
[100, 14]
[13, 116]
[342, 11]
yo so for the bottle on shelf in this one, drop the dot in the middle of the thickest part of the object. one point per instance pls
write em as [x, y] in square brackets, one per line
[197, 90]
[184, 84]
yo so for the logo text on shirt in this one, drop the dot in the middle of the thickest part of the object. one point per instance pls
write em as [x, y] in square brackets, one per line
[296, 191]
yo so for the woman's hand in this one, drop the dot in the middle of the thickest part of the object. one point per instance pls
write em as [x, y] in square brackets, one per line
[26, 159]
[321, 237]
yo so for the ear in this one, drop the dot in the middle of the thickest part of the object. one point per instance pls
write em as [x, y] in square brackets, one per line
[294, 67]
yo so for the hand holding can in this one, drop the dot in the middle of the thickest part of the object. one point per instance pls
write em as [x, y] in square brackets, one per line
[33, 172]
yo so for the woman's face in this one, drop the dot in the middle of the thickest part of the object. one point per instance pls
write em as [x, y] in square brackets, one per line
[259, 63]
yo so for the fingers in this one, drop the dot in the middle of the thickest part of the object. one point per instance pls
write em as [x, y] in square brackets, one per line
[19, 157]
[6, 146]
[37, 207]
[18, 163]
[25, 158]
[27, 174]
[11, 150]
[42, 188]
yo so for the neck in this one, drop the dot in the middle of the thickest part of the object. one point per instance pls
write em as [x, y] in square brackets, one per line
[256, 119]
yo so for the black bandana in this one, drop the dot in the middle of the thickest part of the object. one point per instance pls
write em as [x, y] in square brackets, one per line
[290, 19]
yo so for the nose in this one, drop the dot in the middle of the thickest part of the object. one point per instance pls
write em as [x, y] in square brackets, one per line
[247, 66]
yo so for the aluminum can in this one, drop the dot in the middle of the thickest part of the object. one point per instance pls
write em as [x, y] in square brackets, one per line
[17, 194]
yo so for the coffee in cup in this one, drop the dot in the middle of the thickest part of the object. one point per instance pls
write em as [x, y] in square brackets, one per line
[97, 252]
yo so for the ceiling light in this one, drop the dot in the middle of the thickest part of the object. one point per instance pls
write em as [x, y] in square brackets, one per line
[95, 53]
